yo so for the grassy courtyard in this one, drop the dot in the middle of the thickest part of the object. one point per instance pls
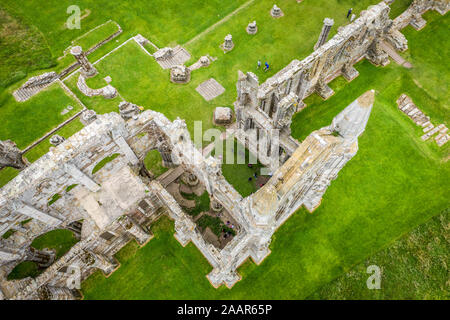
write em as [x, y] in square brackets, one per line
[395, 183]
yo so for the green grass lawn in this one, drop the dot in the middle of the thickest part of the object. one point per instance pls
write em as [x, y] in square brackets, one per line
[202, 203]
[413, 267]
[395, 183]
[164, 21]
[60, 240]
[42, 148]
[23, 270]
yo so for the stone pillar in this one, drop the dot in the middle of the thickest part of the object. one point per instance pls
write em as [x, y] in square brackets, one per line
[260, 248]
[441, 6]
[166, 155]
[377, 55]
[39, 215]
[327, 24]
[103, 263]
[303, 86]
[82, 178]
[252, 28]
[88, 116]
[349, 72]
[10, 155]
[181, 233]
[87, 69]
[323, 90]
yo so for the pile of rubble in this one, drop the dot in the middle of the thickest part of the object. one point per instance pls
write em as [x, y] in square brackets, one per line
[406, 105]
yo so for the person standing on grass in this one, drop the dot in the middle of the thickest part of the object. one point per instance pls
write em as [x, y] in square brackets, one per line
[349, 12]
[259, 64]
[266, 67]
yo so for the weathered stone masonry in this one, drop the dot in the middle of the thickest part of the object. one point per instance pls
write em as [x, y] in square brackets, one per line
[117, 202]
[268, 106]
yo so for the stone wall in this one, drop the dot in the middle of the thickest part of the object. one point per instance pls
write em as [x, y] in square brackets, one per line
[108, 92]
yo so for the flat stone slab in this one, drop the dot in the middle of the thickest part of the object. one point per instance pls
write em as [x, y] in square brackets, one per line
[210, 89]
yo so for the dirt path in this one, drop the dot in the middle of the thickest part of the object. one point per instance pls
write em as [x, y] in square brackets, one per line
[218, 23]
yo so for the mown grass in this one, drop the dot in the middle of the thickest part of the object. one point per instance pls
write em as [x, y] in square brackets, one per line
[104, 161]
[413, 267]
[153, 163]
[394, 183]
[140, 79]
[90, 39]
[23, 270]
[202, 203]
[60, 240]
[164, 21]
[25, 122]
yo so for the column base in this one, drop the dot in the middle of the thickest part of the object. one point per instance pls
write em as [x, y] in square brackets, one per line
[259, 256]
[89, 74]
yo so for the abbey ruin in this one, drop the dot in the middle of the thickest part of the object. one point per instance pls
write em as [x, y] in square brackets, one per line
[109, 207]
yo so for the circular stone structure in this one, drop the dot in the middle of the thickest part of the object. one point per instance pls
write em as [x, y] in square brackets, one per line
[180, 74]
[76, 51]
